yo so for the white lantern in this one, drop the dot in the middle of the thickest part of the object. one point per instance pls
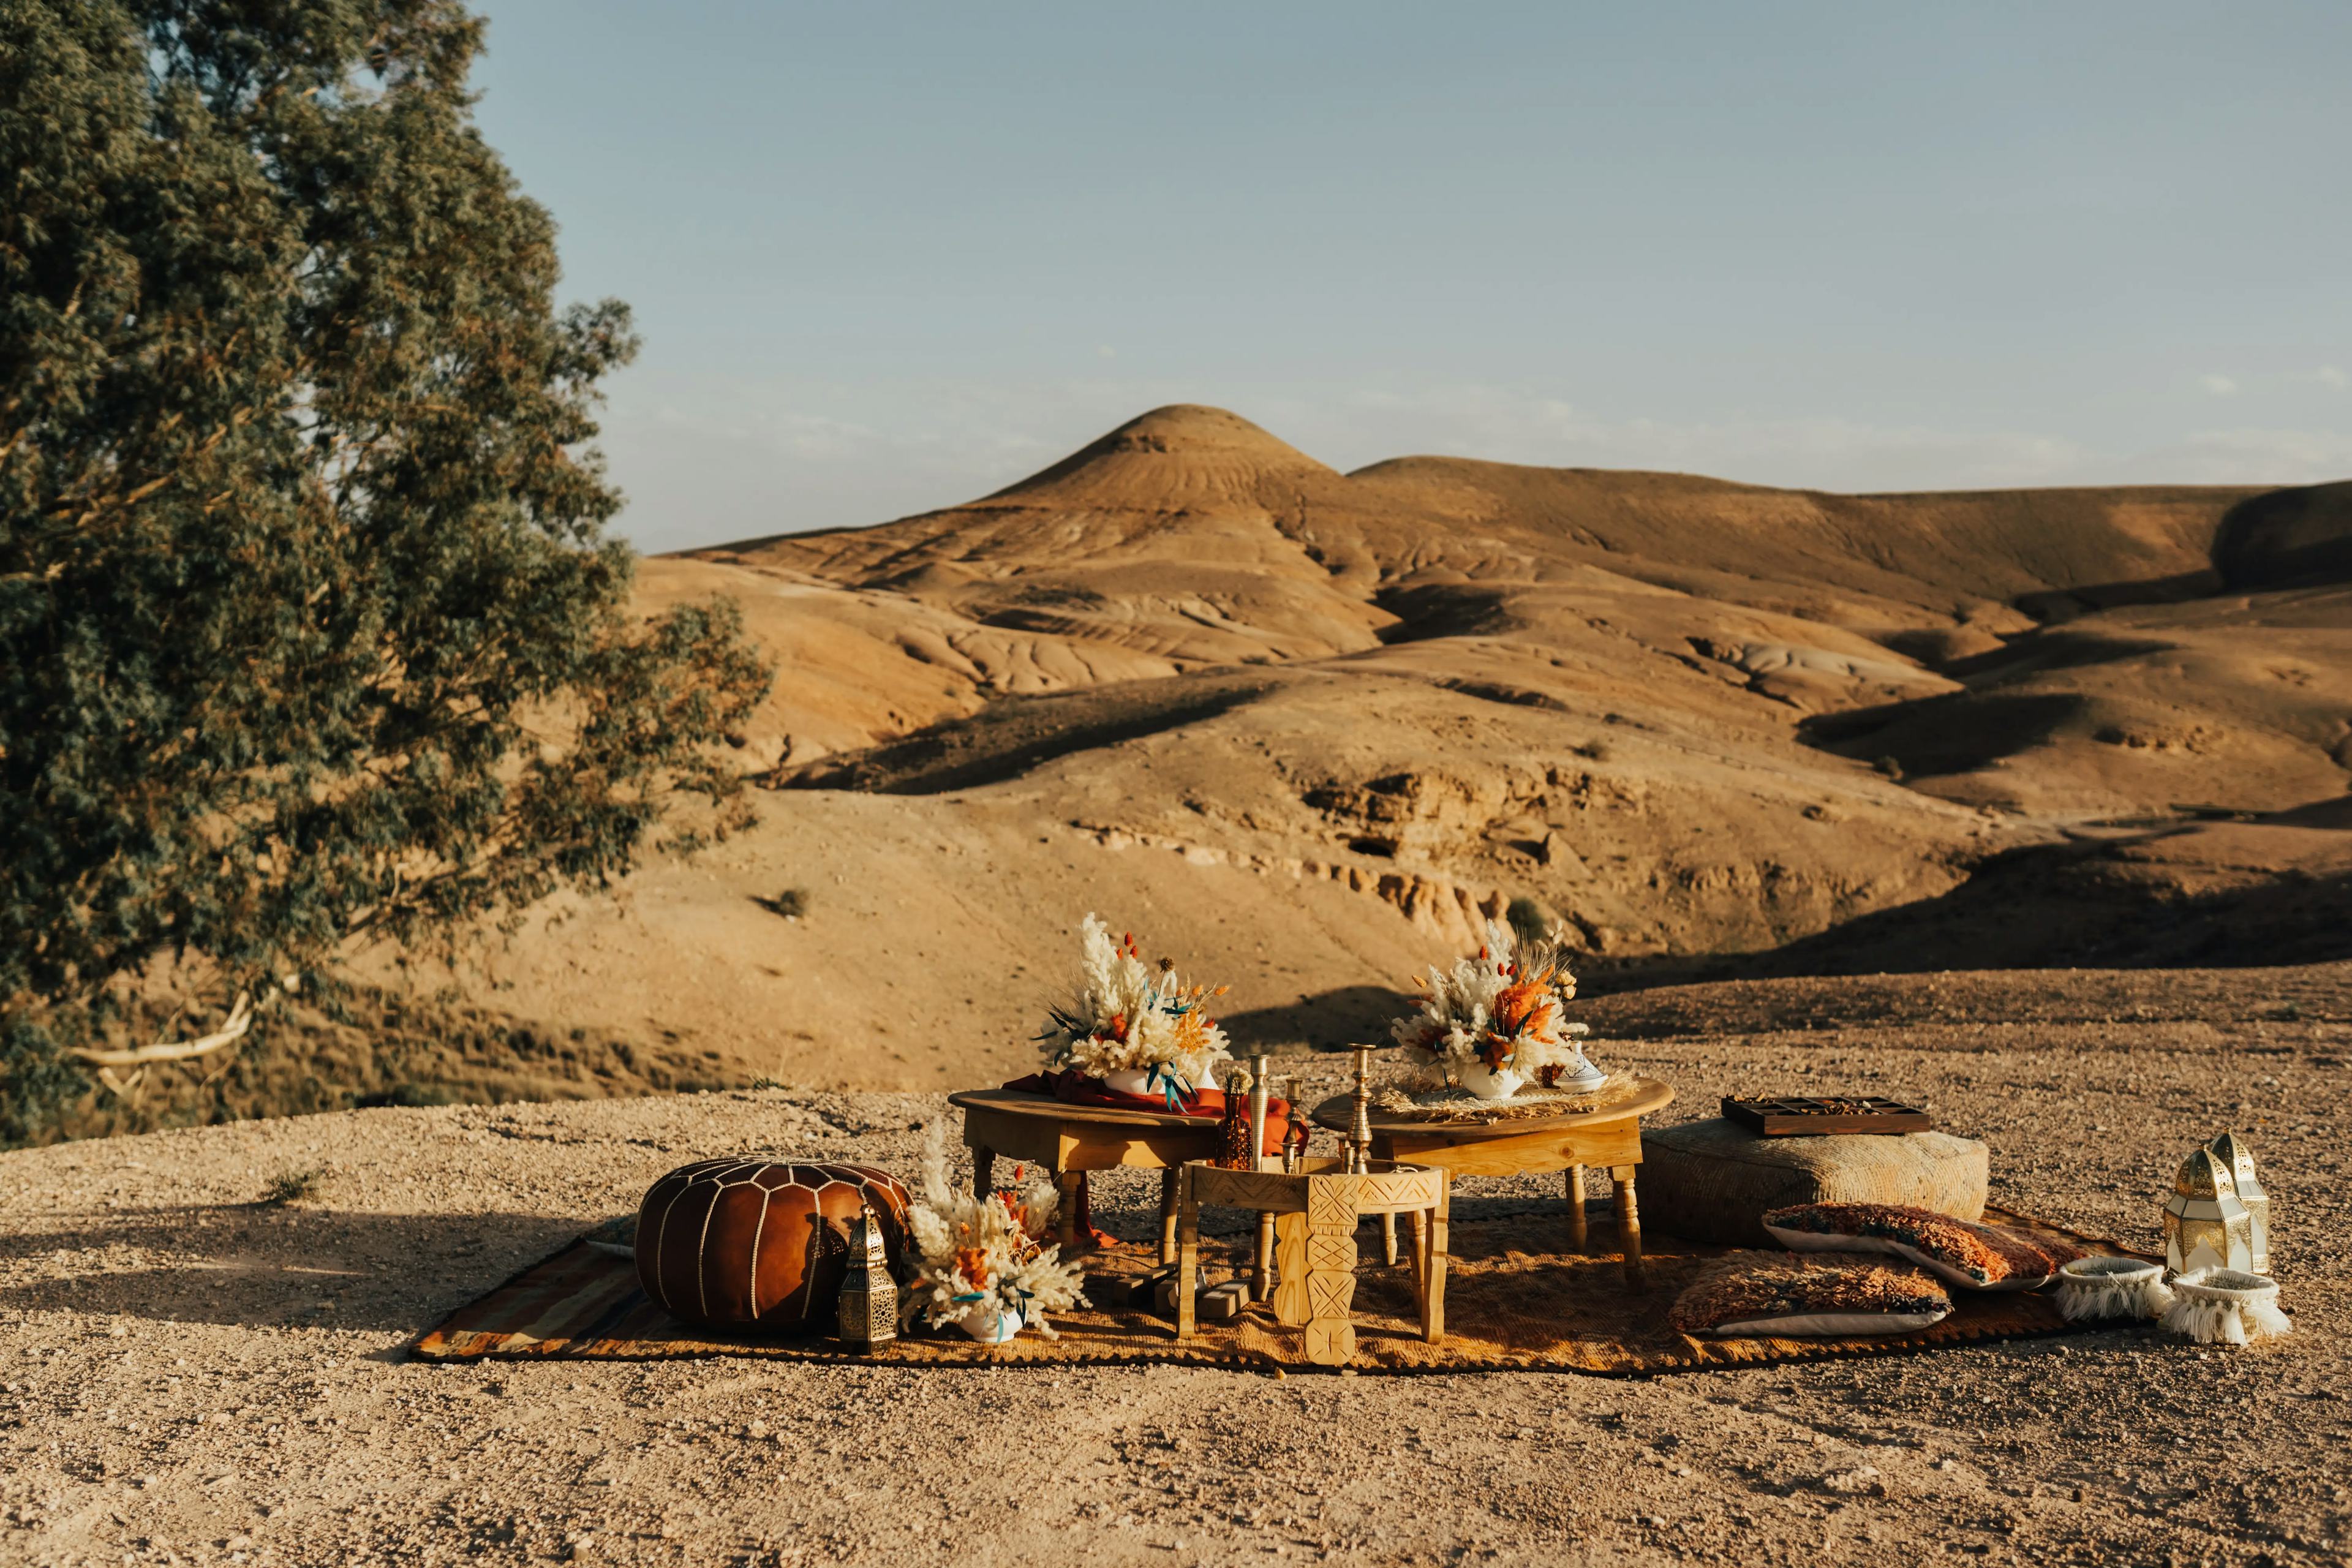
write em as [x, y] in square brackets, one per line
[2231, 1150]
[2205, 1226]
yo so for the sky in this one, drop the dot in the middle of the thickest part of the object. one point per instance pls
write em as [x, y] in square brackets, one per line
[890, 257]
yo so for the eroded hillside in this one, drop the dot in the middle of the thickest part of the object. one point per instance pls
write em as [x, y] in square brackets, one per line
[1692, 717]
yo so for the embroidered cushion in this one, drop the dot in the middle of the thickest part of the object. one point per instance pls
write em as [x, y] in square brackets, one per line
[1972, 1256]
[1775, 1294]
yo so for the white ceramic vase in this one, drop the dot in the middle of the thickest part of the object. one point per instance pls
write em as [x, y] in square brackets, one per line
[1491, 1083]
[1138, 1081]
[1128, 1080]
[992, 1323]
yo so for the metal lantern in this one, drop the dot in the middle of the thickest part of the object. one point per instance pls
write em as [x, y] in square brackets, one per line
[2205, 1226]
[2231, 1150]
[869, 1297]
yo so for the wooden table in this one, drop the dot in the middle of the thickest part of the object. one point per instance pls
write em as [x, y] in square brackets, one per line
[1071, 1139]
[1314, 1210]
[1610, 1137]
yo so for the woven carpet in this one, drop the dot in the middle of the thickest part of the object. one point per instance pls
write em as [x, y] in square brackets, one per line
[1512, 1301]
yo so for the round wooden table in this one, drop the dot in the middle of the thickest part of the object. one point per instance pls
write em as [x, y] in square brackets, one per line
[1071, 1139]
[1610, 1137]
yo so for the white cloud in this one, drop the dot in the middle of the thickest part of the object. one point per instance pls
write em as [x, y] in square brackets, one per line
[2331, 376]
[2218, 385]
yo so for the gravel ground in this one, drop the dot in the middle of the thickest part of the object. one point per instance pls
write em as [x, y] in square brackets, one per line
[190, 1371]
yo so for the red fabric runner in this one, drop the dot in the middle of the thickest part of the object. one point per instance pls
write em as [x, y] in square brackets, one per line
[1077, 1089]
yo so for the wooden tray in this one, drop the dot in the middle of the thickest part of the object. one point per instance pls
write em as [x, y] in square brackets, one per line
[1808, 1116]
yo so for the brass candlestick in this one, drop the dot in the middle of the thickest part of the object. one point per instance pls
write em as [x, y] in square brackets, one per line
[1359, 1135]
[1259, 1078]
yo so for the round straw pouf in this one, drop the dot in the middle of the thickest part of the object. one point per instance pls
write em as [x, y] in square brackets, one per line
[2094, 1289]
[2226, 1307]
[760, 1244]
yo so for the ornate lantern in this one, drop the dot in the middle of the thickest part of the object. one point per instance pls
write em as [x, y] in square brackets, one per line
[869, 1297]
[2205, 1226]
[2231, 1150]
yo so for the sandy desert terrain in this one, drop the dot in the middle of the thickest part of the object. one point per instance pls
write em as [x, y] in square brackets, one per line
[190, 1373]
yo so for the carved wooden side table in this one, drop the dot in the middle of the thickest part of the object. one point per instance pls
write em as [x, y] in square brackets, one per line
[1316, 1209]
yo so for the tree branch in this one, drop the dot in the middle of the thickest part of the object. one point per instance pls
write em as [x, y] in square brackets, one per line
[232, 1029]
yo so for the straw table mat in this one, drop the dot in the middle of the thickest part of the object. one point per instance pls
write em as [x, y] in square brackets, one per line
[1512, 1301]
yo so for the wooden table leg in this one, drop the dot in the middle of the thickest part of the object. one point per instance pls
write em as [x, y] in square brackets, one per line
[1068, 1184]
[1388, 1240]
[1629, 1224]
[1187, 1252]
[1331, 1220]
[1168, 1215]
[1421, 1262]
[984, 1171]
[1262, 1281]
[1576, 1236]
[1432, 1316]
[1291, 1304]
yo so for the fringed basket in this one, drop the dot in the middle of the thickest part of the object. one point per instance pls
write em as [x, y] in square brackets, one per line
[2092, 1290]
[2226, 1307]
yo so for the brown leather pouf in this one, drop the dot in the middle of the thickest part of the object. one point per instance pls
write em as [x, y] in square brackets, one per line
[753, 1243]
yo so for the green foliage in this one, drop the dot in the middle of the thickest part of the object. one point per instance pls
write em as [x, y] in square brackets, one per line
[792, 903]
[290, 1187]
[309, 631]
[1530, 920]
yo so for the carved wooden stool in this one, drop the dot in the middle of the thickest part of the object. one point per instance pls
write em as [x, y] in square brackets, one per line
[1316, 1209]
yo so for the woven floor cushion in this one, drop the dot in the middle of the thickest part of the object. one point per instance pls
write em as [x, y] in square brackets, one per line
[1826, 1295]
[1713, 1180]
[1973, 1257]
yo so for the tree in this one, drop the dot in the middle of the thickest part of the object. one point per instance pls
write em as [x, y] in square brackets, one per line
[309, 634]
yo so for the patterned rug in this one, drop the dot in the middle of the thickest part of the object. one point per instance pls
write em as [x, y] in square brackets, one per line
[1512, 1301]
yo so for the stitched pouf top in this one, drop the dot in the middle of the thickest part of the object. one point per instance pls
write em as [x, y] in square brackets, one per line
[760, 1243]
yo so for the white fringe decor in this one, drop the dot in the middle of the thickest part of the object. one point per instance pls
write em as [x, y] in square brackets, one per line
[2092, 1288]
[2225, 1307]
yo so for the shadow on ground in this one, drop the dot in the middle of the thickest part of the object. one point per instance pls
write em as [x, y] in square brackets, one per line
[292, 1266]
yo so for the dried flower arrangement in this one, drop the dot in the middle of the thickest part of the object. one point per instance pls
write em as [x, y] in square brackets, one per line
[985, 1266]
[1496, 1023]
[1135, 1025]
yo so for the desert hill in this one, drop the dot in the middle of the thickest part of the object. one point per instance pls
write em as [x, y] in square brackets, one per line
[1188, 539]
[1304, 730]
[1340, 717]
